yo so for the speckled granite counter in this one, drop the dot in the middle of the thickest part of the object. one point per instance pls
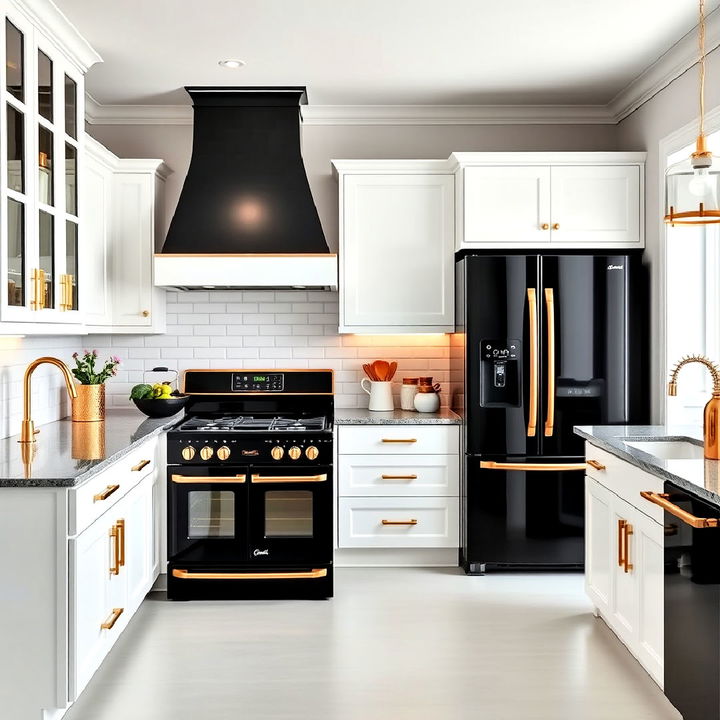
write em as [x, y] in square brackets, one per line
[362, 416]
[701, 477]
[56, 464]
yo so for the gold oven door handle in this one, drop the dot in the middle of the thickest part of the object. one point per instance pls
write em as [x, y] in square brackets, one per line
[205, 479]
[110, 622]
[287, 478]
[531, 467]
[413, 521]
[662, 500]
[534, 363]
[550, 306]
[309, 575]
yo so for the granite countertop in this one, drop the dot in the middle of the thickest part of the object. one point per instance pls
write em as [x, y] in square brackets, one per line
[363, 416]
[62, 449]
[698, 476]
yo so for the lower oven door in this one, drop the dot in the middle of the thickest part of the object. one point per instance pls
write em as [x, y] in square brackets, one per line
[290, 514]
[207, 514]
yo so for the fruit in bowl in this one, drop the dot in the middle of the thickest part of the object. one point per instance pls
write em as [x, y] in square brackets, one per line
[158, 400]
[158, 391]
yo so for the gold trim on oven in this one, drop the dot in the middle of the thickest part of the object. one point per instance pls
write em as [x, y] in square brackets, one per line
[309, 575]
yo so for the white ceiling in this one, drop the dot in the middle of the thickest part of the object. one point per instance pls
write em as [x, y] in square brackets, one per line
[380, 52]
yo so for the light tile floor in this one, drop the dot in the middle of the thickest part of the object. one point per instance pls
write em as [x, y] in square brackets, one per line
[394, 644]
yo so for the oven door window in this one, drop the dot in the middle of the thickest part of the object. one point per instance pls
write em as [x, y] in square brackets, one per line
[211, 514]
[288, 514]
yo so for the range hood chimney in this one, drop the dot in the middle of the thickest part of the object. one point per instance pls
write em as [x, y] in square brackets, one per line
[246, 216]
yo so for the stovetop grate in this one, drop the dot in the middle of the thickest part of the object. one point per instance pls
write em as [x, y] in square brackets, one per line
[251, 423]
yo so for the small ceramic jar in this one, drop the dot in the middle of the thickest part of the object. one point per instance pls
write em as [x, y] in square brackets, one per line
[427, 400]
[408, 391]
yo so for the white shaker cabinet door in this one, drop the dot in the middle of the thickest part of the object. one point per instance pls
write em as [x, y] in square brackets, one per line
[397, 262]
[138, 514]
[596, 204]
[624, 604]
[598, 545]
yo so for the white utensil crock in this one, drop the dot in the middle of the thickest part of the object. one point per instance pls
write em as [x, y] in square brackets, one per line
[381, 397]
[427, 402]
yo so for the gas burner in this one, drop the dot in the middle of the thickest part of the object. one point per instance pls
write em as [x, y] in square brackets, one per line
[249, 423]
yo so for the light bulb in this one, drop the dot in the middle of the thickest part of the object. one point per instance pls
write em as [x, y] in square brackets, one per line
[701, 184]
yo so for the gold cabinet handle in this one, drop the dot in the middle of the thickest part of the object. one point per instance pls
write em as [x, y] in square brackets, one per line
[106, 493]
[140, 465]
[114, 533]
[108, 624]
[413, 521]
[309, 575]
[534, 363]
[121, 542]
[662, 500]
[550, 305]
[399, 477]
[545, 226]
[145, 313]
[597, 465]
[38, 289]
[399, 440]
[287, 478]
[204, 479]
[66, 292]
[627, 531]
[556, 226]
[63, 294]
[621, 526]
[533, 467]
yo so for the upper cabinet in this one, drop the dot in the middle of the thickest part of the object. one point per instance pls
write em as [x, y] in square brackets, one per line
[397, 229]
[41, 153]
[563, 200]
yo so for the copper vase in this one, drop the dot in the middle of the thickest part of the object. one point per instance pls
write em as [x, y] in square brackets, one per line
[89, 405]
[88, 441]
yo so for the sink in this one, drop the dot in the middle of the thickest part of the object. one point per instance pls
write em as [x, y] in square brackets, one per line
[668, 449]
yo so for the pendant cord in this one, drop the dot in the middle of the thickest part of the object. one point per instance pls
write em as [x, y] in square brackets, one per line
[701, 42]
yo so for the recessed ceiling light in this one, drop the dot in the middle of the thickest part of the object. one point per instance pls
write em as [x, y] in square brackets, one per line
[231, 63]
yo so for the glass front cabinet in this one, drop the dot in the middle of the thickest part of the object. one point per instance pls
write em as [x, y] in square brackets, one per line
[41, 148]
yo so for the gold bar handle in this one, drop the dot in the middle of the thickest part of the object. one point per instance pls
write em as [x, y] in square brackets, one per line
[627, 531]
[108, 624]
[399, 440]
[204, 479]
[106, 493]
[121, 542]
[63, 294]
[550, 306]
[533, 467]
[597, 465]
[140, 465]
[413, 521]
[35, 302]
[309, 575]
[534, 366]
[114, 534]
[621, 525]
[287, 478]
[399, 477]
[41, 289]
[661, 499]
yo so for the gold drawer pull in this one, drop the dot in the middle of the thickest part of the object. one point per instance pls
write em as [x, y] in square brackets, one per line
[106, 493]
[531, 467]
[206, 479]
[114, 533]
[310, 575]
[661, 499]
[399, 440]
[108, 624]
[399, 477]
[140, 465]
[121, 542]
[597, 465]
[400, 522]
[287, 478]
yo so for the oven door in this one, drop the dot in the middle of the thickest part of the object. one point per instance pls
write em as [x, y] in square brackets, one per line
[290, 514]
[207, 514]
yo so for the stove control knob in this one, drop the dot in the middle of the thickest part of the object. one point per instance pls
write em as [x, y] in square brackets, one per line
[277, 452]
[294, 452]
[188, 452]
[223, 452]
[311, 452]
[206, 453]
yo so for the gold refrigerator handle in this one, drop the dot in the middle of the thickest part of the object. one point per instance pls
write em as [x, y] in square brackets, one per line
[205, 479]
[550, 305]
[534, 367]
[310, 575]
[661, 499]
[287, 478]
[531, 467]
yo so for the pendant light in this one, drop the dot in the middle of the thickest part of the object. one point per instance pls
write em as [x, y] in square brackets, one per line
[692, 186]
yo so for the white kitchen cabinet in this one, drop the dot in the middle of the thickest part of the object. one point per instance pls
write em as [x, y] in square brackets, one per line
[138, 513]
[599, 566]
[397, 224]
[558, 200]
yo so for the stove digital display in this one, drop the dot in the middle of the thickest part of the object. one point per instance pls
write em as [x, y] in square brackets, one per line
[274, 382]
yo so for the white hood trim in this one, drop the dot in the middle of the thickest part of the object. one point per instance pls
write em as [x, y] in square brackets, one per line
[246, 270]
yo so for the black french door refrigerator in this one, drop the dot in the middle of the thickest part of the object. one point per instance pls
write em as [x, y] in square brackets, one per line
[542, 343]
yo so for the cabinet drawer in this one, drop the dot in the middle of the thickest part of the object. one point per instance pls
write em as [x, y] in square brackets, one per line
[98, 495]
[398, 439]
[408, 522]
[393, 475]
[625, 480]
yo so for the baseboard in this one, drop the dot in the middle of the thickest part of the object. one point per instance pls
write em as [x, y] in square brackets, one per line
[391, 557]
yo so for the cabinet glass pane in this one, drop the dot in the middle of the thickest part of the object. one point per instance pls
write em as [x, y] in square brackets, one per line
[16, 252]
[288, 513]
[47, 256]
[70, 179]
[71, 107]
[45, 166]
[71, 259]
[14, 61]
[211, 513]
[45, 86]
[15, 149]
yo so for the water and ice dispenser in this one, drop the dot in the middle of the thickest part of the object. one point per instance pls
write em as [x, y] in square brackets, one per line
[500, 373]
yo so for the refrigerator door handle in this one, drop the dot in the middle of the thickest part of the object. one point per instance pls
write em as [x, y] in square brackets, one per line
[550, 306]
[531, 467]
[534, 363]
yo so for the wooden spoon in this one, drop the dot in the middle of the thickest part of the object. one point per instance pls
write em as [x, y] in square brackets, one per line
[369, 371]
[381, 368]
[393, 369]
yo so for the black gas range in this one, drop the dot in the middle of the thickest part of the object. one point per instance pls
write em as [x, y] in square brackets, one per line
[250, 486]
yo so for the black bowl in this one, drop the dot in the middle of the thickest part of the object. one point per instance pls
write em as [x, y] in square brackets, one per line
[160, 408]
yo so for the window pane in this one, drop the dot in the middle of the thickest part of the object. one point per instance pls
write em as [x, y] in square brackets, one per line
[47, 256]
[15, 149]
[288, 513]
[71, 259]
[16, 252]
[71, 179]
[45, 166]
[211, 513]
[70, 107]
[45, 86]
[14, 60]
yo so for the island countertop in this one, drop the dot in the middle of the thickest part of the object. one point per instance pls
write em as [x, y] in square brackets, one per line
[363, 416]
[57, 458]
[698, 476]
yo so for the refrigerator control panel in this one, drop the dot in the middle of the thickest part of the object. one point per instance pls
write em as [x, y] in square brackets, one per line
[500, 380]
